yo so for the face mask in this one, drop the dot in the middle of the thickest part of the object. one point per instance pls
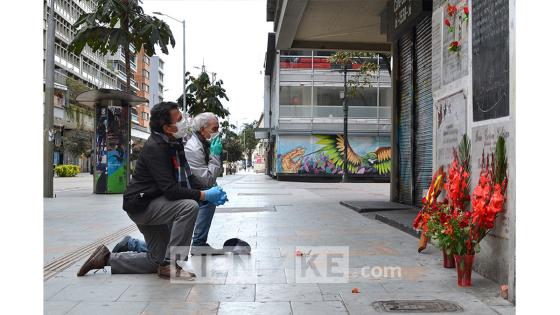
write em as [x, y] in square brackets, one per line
[214, 135]
[182, 129]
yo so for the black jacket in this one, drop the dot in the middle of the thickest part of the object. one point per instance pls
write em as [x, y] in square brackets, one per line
[154, 176]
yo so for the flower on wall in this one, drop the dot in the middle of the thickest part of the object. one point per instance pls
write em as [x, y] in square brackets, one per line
[454, 20]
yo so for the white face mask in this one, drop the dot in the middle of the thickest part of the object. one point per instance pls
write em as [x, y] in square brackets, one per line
[213, 136]
[182, 128]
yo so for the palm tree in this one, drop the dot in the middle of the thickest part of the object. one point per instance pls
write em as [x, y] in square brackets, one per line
[121, 24]
[203, 95]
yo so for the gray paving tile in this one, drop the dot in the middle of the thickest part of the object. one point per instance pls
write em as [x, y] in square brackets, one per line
[318, 308]
[58, 307]
[254, 308]
[181, 308]
[156, 292]
[335, 291]
[53, 286]
[288, 292]
[258, 276]
[90, 292]
[222, 293]
[106, 308]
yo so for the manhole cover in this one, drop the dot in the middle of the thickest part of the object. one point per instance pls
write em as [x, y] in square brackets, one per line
[416, 306]
[243, 209]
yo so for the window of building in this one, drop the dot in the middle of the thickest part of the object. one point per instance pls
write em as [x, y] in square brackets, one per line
[145, 87]
[295, 95]
[146, 74]
[145, 116]
[146, 60]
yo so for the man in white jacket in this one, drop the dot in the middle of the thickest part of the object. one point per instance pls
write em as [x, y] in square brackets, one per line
[203, 151]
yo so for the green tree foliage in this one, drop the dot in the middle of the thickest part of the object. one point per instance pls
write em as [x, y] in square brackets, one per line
[247, 138]
[122, 24]
[363, 77]
[204, 95]
[230, 142]
[78, 142]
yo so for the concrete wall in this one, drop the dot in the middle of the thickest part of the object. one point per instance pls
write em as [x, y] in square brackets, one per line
[496, 259]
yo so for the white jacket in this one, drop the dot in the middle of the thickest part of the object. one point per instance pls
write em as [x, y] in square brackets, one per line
[204, 175]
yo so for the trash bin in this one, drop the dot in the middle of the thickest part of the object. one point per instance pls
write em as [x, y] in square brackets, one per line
[111, 165]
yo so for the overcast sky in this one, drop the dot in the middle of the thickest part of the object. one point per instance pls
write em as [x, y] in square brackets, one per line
[230, 36]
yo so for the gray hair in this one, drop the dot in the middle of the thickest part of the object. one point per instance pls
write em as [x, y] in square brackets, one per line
[202, 120]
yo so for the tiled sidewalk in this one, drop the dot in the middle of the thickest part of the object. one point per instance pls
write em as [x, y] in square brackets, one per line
[306, 214]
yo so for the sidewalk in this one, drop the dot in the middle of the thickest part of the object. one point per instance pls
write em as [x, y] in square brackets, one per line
[273, 217]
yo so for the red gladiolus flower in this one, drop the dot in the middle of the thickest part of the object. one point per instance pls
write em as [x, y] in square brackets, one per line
[466, 10]
[451, 9]
[447, 22]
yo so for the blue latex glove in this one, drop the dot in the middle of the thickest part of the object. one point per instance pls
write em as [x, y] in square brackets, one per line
[216, 195]
[216, 146]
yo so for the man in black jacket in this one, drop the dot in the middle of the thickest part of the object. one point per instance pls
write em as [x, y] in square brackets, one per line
[160, 200]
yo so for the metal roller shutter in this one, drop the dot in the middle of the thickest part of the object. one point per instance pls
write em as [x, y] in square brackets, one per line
[405, 118]
[423, 109]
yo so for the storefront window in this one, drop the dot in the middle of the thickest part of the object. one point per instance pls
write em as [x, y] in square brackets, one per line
[295, 95]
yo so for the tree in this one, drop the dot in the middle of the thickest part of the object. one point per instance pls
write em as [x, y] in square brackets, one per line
[367, 66]
[230, 142]
[203, 95]
[363, 77]
[247, 138]
[118, 24]
[78, 142]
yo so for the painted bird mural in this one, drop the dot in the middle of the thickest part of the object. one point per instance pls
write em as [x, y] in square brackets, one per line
[333, 147]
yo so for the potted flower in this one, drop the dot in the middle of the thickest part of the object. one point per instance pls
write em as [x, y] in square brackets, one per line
[487, 200]
[462, 230]
[428, 207]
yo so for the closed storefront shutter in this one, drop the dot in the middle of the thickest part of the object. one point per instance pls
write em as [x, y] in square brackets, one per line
[405, 118]
[423, 109]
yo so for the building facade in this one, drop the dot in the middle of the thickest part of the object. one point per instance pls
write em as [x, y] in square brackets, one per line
[305, 115]
[94, 71]
[156, 80]
[453, 73]
[88, 69]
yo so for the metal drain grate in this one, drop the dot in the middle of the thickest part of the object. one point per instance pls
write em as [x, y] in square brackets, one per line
[60, 264]
[416, 306]
[244, 209]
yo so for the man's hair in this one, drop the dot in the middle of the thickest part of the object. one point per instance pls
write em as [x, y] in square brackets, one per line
[160, 115]
[202, 120]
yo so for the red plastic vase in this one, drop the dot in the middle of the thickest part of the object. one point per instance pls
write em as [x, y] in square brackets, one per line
[448, 260]
[464, 264]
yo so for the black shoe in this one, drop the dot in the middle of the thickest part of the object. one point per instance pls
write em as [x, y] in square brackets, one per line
[206, 249]
[122, 246]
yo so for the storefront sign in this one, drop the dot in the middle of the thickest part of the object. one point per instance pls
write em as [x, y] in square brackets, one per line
[404, 14]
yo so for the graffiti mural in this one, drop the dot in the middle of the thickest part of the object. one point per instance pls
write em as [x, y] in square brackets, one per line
[324, 155]
[111, 155]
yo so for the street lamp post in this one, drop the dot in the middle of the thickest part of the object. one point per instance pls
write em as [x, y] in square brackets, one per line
[345, 178]
[184, 58]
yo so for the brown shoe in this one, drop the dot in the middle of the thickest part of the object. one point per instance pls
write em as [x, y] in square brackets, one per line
[165, 273]
[97, 260]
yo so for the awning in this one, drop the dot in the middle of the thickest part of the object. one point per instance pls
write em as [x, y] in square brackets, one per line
[109, 97]
[139, 134]
[262, 133]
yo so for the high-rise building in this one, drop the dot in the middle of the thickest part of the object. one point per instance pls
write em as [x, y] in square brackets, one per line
[141, 113]
[87, 68]
[156, 80]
